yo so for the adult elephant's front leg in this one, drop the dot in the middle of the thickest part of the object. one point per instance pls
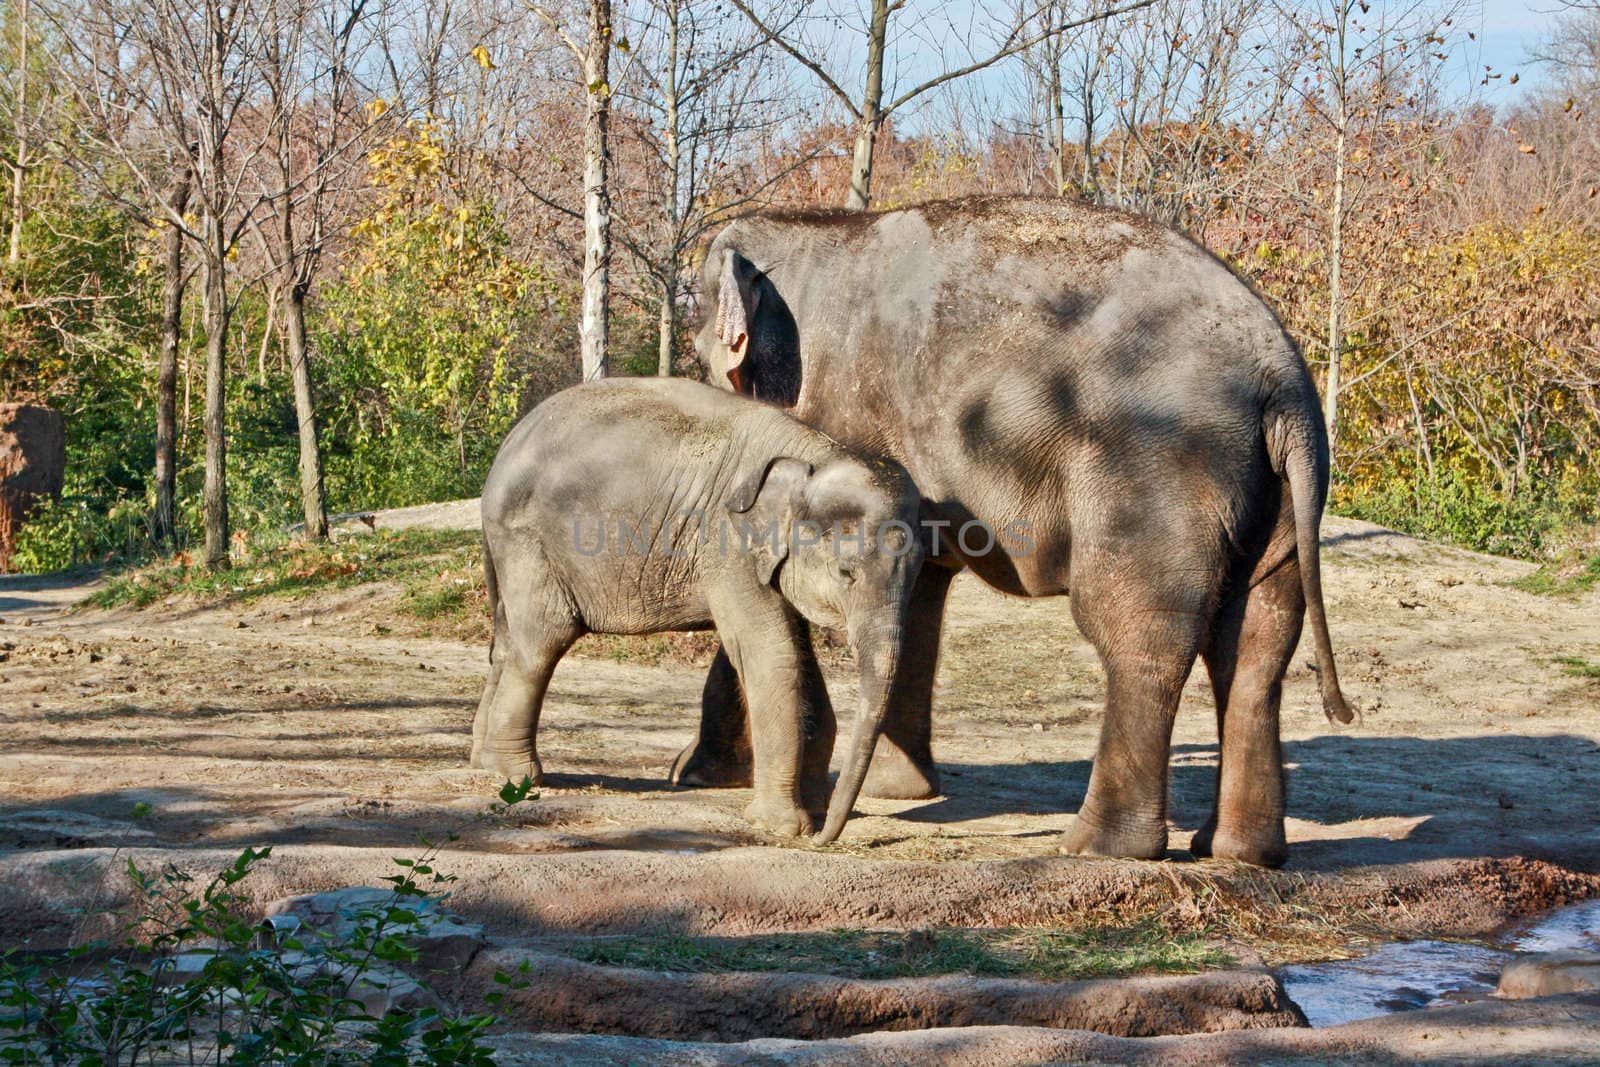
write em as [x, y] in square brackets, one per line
[902, 764]
[719, 756]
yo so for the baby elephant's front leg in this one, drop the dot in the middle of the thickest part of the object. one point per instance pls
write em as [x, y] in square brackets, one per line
[773, 673]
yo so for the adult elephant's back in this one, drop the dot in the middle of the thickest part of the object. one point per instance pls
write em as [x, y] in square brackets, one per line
[1032, 362]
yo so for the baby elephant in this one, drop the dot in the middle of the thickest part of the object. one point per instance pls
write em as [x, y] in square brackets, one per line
[633, 506]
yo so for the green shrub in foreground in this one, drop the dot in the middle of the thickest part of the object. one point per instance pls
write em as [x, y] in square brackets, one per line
[107, 1003]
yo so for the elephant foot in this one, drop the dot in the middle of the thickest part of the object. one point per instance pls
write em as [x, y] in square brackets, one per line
[814, 797]
[701, 766]
[895, 776]
[513, 766]
[1266, 848]
[1142, 841]
[780, 817]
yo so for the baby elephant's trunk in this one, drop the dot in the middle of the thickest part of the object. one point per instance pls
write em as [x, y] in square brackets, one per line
[878, 653]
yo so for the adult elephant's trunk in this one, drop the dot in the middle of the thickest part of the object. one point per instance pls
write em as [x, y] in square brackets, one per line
[878, 652]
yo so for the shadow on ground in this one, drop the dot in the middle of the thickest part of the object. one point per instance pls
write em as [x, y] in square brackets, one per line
[1528, 794]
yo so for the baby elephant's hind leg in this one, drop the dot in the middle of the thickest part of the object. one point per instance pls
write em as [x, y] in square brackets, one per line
[527, 648]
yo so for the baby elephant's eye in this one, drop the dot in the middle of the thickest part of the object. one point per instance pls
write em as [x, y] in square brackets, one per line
[847, 569]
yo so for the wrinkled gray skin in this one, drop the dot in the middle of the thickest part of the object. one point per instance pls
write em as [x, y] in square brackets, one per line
[697, 463]
[1112, 388]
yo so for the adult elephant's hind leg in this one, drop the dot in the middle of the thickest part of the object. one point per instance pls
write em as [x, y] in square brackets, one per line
[480, 721]
[819, 725]
[1148, 650]
[1250, 649]
[720, 755]
[902, 764]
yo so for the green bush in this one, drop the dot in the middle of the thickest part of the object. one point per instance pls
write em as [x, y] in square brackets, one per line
[1450, 507]
[290, 1001]
[80, 528]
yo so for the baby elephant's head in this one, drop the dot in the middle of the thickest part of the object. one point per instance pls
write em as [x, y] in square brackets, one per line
[840, 541]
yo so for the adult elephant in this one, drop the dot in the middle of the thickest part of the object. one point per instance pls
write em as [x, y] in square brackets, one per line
[1105, 394]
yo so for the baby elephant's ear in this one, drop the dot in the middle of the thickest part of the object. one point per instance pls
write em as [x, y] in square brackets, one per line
[763, 506]
[780, 478]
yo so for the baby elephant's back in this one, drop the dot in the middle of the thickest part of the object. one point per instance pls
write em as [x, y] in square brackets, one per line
[600, 448]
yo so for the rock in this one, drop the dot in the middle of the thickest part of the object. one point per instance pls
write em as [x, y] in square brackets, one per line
[443, 942]
[33, 460]
[65, 829]
[1545, 974]
[379, 990]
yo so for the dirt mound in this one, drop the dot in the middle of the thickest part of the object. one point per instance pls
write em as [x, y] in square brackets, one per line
[739, 891]
[565, 995]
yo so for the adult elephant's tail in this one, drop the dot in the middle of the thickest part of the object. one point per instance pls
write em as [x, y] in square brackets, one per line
[1297, 442]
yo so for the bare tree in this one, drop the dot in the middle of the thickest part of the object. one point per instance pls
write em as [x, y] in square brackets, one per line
[1573, 48]
[1353, 77]
[307, 63]
[593, 55]
[19, 164]
[174, 280]
[869, 110]
[705, 85]
[168, 84]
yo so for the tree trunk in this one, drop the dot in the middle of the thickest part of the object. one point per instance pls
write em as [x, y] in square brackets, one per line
[1056, 117]
[305, 411]
[667, 341]
[216, 325]
[870, 119]
[667, 326]
[1330, 399]
[595, 325]
[212, 186]
[296, 285]
[18, 171]
[164, 523]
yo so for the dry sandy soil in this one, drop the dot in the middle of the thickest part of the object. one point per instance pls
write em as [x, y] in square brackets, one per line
[1467, 796]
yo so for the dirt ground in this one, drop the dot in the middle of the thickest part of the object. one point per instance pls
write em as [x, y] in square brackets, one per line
[1467, 795]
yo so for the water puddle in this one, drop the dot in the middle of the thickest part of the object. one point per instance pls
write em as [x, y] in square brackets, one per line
[1408, 975]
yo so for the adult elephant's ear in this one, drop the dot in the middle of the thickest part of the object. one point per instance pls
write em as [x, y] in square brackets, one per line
[737, 298]
[762, 508]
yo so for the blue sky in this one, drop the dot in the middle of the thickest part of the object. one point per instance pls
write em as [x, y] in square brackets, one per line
[1507, 30]
[934, 35]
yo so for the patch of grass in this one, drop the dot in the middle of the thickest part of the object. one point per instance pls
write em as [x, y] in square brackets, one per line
[1101, 951]
[1143, 948]
[280, 567]
[1555, 580]
[1577, 667]
[430, 603]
